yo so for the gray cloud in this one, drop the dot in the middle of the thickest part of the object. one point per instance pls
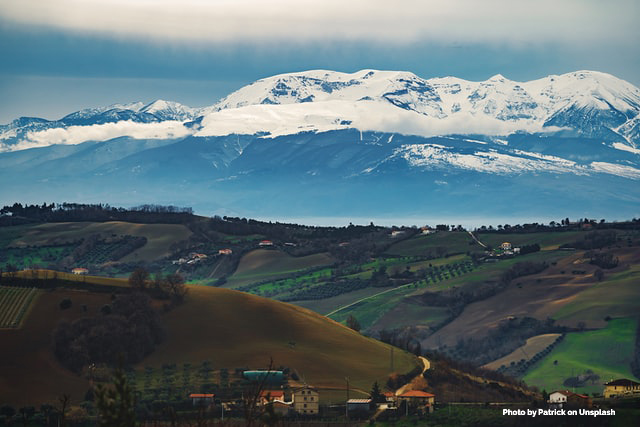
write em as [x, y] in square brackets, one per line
[510, 22]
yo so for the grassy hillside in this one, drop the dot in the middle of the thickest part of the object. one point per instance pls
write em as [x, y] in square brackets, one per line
[618, 295]
[159, 236]
[229, 328]
[450, 241]
[547, 241]
[607, 352]
[530, 349]
[266, 264]
[235, 329]
[29, 373]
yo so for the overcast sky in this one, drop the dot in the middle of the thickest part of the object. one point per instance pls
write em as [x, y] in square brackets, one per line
[59, 56]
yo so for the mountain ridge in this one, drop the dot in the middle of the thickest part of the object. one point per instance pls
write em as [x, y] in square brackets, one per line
[590, 103]
[309, 140]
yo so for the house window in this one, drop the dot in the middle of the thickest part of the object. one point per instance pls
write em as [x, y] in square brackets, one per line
[305, 398]
[311, 397]
[305, 405]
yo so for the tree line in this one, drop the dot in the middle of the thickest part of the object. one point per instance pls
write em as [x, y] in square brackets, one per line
[18, 213]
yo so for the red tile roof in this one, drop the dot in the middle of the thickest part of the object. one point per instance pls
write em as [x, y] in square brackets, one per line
[417, 393]
[201, 395]
[274, 394]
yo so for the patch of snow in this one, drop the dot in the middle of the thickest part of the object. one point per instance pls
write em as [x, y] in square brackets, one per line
[614, 169]
[625, 147]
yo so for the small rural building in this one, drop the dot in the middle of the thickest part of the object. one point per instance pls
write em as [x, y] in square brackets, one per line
[306, 400]
[558, 398]
[269, 377]
[417, 399]
[561, 398]
[390, 397]
[267, 396]
[397, 233]
[620, 388]
[505, 246]
[225, 251]
[576, 400]
[265, 243]
[427, 230]
[357, 407]
[201, 399]
[80, 270]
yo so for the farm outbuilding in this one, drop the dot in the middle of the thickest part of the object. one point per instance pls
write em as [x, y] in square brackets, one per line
[269, 377]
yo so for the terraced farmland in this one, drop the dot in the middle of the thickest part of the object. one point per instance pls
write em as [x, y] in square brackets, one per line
[14, 303]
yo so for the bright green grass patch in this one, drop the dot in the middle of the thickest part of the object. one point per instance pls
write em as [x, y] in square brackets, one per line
[451, 241]
[493, 271]
[285, 286]
[263, 264]
[607, 352]
[369, 311]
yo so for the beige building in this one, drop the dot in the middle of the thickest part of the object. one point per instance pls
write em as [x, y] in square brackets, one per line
[620, 388]
[306, 400]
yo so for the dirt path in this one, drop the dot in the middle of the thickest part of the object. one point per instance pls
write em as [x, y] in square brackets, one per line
[407, 387]
[476, 239]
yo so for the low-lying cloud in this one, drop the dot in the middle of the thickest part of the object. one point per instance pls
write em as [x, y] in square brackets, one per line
[102, 132]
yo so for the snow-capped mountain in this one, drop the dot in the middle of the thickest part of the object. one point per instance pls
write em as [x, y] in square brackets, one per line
[29, 132]
[318, 128]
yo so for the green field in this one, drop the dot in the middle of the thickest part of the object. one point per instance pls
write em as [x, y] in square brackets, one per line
[616, 296]
[268, 264]
[607, 352]
[533, 346]
[422, 245]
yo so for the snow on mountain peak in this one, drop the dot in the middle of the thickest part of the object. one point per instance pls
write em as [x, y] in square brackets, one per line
[588, 103]
[169, 110]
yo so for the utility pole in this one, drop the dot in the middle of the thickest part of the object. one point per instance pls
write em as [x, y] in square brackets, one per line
[346, 406]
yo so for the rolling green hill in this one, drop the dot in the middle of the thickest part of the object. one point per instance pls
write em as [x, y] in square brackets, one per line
[606, 352]
[268, 264]
[159, 236]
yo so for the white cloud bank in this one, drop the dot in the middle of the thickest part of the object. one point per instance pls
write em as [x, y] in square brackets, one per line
[103, 132]
[402, 21]
[378, 116]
